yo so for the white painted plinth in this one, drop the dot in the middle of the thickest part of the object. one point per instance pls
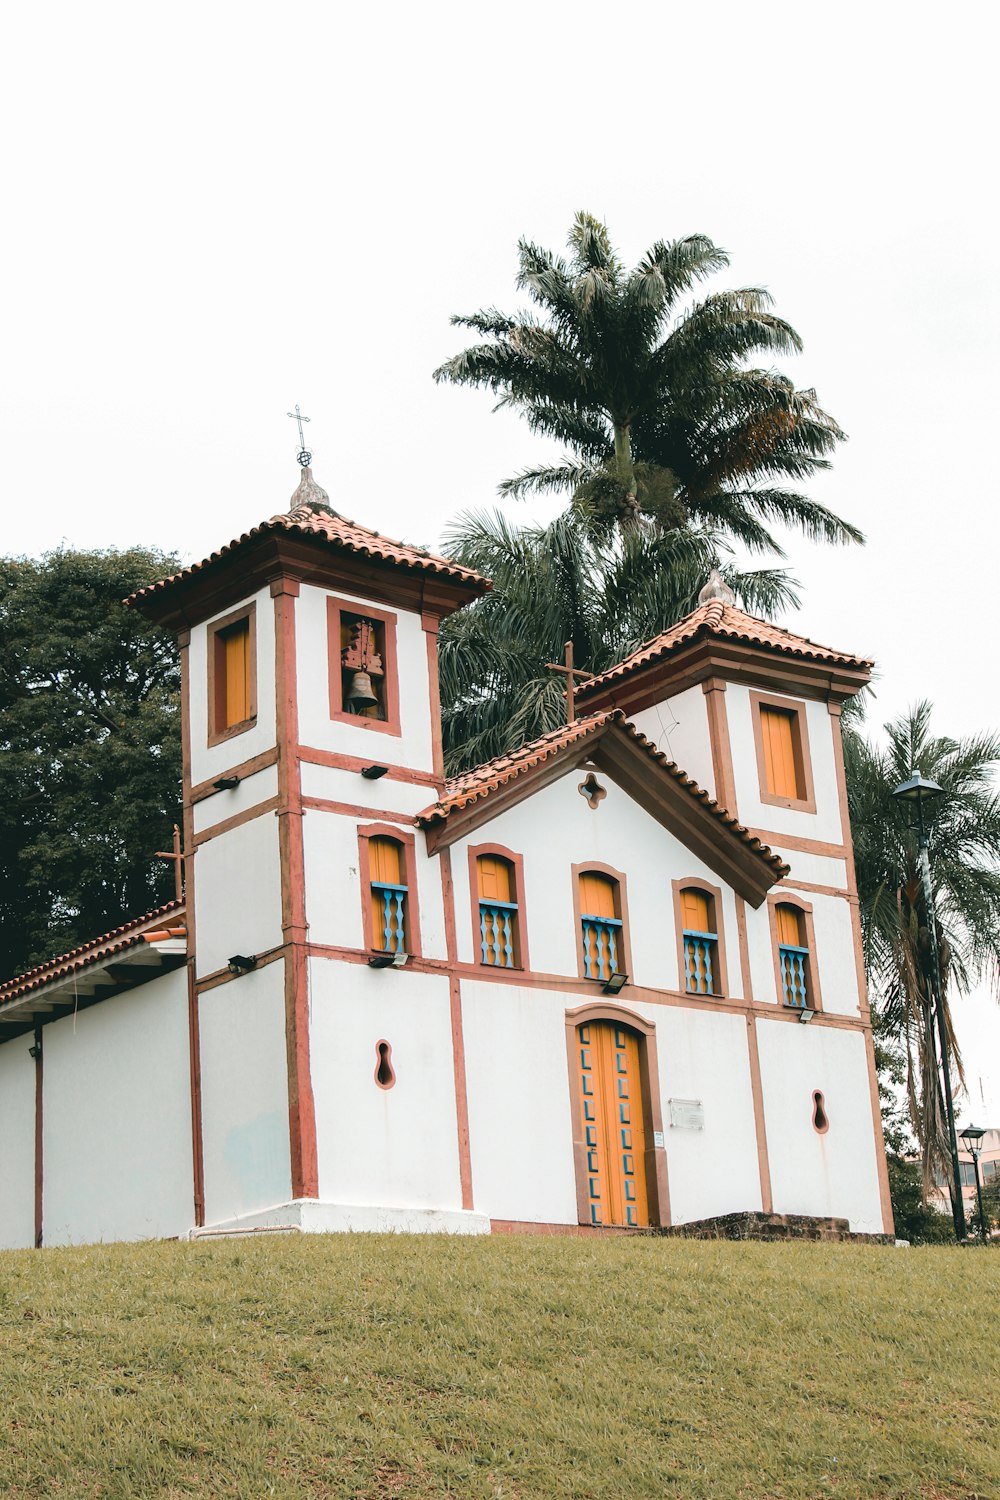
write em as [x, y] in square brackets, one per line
[309, 1216]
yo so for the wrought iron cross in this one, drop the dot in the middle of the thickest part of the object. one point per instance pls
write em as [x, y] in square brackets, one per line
[571, 673]
[303, 455]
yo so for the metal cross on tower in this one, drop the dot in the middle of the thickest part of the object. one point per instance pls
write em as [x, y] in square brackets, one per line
[304, 456]
[571, 673]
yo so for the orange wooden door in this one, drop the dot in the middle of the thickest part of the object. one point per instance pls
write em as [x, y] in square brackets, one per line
[614, 1130]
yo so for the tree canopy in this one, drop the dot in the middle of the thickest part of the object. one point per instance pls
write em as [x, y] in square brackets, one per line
[571, 580]
[90, 741]
[657, 401]
[965, 869]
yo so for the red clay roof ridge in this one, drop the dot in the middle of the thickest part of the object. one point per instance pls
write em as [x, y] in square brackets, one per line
[78, 958]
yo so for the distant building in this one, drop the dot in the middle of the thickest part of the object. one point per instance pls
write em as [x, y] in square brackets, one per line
[989, 1166]
[566, 989]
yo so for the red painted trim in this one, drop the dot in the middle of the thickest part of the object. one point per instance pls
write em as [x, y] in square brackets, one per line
[352, 810]
[245, 769]
[338, 762]
[457, 1031]
[334, 609]
[194, 1063]
[434, 698]
[407, 843]
[39, 1147]
[517, 863]
[226, 825]
[301, 1105]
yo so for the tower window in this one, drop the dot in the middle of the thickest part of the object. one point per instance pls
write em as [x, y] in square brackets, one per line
[363, 686]
[601, 927]
[701, 943]
[499, 937]
[388, 894]
[232, 674]
[782, 743]
[793, 957]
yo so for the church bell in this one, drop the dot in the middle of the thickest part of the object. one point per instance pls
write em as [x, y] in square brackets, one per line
[360, 693]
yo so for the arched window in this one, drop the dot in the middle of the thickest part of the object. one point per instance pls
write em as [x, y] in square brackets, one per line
[702, 974]
[499, 935]
[793, 956]
[388, 894]
[601, 925]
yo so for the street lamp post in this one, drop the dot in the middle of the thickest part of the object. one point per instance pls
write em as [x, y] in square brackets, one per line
[972, 1140]
[919, 790]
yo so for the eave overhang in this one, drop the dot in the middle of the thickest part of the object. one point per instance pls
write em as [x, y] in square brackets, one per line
[658, 785]
[276, 549]
[152, 945]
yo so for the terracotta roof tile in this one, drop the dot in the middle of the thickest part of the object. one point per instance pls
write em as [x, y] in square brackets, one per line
[472, 786]
[345, 535]
[720, 619]
[98, 948]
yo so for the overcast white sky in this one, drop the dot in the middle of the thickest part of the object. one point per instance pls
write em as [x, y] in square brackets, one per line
[217, 210]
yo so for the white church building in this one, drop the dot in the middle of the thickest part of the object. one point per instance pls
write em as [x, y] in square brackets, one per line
[610, 981]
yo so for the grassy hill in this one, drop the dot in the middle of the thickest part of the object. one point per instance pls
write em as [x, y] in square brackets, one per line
[510, 1367]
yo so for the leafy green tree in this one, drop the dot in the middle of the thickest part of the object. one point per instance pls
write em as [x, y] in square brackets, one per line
[90, 742]
[655, 400]
[569, 580]
[965, 868]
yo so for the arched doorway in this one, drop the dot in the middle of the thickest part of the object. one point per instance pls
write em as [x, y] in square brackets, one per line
[616, 1136]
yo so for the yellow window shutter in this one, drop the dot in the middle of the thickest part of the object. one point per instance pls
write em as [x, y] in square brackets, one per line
[779, 729]
[237, 670]
[384, 861]
[597, 895]
[694, 911]
[494, 878]
[791, 926]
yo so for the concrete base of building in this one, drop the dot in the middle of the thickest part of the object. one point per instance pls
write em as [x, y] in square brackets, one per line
[313, 1216]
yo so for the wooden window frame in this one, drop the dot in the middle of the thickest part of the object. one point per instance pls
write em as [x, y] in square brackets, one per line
[618, 877]
[407, 843]
[248, 612]
[714, 893]
[813, 994]
[335, 607]
[797, 708]
[517, 865]
[657, 1182]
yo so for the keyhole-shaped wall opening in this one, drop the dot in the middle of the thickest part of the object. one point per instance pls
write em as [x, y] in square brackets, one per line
[385, 1073]
[820, 1121]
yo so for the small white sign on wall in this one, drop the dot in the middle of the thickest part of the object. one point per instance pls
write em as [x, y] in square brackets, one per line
[687, 1114]
[657, 1139]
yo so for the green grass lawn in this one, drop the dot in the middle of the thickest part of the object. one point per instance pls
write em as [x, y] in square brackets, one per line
[505, 1367]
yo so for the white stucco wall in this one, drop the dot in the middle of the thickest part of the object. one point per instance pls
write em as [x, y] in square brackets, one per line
[619, 833]
[705, 1056]
[520, 1126]
[393, 1147]
[211, 760]
[679, 727]
[237, 891]
[413, 746]
[245, 1094]
[386, 794]
[117, 1118]
[834, 1173]
[251, 792]
[824, 824]
[333, 885]
[17, 1131]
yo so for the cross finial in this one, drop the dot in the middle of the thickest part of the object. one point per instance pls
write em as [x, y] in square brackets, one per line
[304, 456]
[571, 673]
[177, 859]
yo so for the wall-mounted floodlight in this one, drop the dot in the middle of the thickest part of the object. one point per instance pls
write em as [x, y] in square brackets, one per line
[381, 960]
[242, 963]
[374, 773]
[615, 984]
[226, 783]
[806, 1015]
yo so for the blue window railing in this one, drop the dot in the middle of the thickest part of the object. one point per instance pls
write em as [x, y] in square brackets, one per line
[794, 975]
[393, 899]
[600, 946]
[498, 933]
[701, 962]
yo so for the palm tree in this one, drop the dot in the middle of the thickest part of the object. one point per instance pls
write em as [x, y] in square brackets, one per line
[569, 580]
[965, 865]
[655, 401]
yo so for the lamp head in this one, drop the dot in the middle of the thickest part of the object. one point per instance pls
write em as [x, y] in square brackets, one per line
[972, 1137]
[614, 984]
[919, 789]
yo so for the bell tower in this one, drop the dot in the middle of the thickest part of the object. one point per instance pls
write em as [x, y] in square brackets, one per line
[310, 718]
